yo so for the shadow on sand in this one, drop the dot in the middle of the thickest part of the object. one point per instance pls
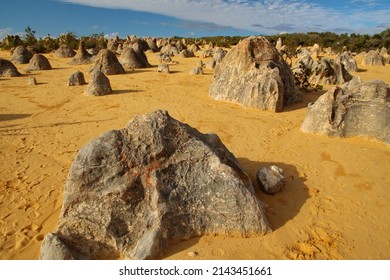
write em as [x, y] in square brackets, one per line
[308, 97]
[286, 204]
[10, 117]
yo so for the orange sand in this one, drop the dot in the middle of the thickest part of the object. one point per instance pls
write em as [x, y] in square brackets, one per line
[334, 206]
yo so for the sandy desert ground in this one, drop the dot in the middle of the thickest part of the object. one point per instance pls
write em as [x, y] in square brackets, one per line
[335, 204]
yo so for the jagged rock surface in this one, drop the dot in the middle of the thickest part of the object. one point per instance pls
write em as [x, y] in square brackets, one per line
[131, 192]
[352, 110]
[254, 74]
[329, 72]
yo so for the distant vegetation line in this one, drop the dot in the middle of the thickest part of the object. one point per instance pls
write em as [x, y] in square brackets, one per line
[354, 42]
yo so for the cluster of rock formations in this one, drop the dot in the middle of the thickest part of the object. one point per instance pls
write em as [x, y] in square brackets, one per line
[132, 192]
[310, 73]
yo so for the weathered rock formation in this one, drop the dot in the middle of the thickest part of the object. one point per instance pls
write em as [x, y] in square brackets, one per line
[21, 55]
[139, 50]
[152, 43]
[113, 43]
[8, 69]
[107, 62]
[76, 79]
[169, 49]
[65, 51]
[39, 62]
[186, 53]
[32, 81]
[352, 110]
[163, 68]
[254, 74]
[197, 71]
[131, 192]
[348, 61]
[194, 48]
[329, 72]
[270, 179]
[385, 55]
[99, 84]
[132, 60]
[82, 56]
[279, 44]
[373, 58]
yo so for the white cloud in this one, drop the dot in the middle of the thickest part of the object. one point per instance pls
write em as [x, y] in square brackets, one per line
[4, 32]
[111, 35]
[263, 16]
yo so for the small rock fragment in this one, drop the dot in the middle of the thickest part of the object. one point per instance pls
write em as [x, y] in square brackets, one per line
[270, 179]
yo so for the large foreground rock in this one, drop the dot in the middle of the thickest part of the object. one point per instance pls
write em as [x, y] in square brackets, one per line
[131, 192]
[254, 74]
[352, 110]
[8, 69]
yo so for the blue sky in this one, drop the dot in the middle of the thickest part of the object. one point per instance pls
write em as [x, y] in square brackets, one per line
[193, 18]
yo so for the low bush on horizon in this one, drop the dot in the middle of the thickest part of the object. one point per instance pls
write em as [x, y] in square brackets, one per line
[354, 42]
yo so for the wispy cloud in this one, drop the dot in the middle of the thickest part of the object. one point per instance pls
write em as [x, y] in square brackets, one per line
[262, 16]
[4, 32]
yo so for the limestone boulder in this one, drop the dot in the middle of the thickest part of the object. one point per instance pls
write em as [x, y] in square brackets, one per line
[39, 62]
[270, 179]
[186, 53]
[82, 56]
[329, 72]
[254, 74]
[132, 192]
[99, 84]
[139, 50]
[348, 61]
[132, 60]
[359, 109]
[21, 55]
[197, 71]
[65, 51]
[76, 79]
[107, 62]
[8, 69]
[163, 68]
[374, 58]
[152, 43]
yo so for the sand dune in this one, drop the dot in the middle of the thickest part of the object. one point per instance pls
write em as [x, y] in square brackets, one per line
[334, 205]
